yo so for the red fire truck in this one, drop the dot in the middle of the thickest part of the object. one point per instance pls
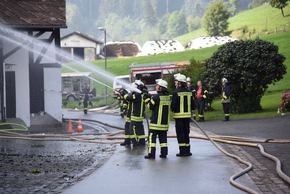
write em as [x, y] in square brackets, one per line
[149, 73]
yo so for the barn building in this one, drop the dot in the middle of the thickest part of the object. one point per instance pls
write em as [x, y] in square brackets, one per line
[75, 43]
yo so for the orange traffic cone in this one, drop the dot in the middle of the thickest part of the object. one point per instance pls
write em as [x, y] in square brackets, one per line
[70, 129]
[80, 126]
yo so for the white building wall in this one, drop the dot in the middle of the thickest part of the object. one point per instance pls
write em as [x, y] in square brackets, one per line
[77, 41]
[52, 83]
[20, 59]
[52, 93]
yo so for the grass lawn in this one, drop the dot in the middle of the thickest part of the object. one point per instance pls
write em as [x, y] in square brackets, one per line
[269, 102]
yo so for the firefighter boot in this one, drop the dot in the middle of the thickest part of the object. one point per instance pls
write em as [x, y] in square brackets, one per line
[201, 119]
[134, 142]
[182, 152]
[126, 142]
[149, 156]
[164, 152]
[142, 142]
[227, 118]
[188, 153]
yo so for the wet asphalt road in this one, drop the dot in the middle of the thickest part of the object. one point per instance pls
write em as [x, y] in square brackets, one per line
[266, 128]
[264, 170]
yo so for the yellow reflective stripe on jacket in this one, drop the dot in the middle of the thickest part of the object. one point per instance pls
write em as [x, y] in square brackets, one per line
[182, 113]
[164, 101]
[225, 99]
[138, 118]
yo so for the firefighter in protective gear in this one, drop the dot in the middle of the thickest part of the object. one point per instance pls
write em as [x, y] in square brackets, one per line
[226, 93]
[85, 99]
[175, 82]
[201, 100]
[127, 108]
[159, 121]
[182, 105]
[191, 88]
[137, 114]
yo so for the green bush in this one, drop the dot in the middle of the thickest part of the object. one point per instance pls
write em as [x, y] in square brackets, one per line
[250, 67]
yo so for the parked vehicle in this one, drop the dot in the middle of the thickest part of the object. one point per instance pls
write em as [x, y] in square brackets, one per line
[72, 84]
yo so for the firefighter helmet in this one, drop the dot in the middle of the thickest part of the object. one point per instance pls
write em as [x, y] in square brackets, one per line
[181, 78]
[224, 80]
[176, 75]
[139, 83]
[162, 83]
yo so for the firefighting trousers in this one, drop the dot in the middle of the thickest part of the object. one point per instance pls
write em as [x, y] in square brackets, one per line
[85, 106]
[182, 132]
[200, 108]
[226, 107]
[127, 133]
[122, 111]
[137, 133]
[162, 136]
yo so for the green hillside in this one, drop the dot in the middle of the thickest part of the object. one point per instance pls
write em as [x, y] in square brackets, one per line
[258, 21]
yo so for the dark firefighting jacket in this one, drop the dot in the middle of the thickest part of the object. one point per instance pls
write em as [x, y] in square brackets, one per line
[127, 109]
[160, 106]
[138, 106]
[226, 93]
[182, 103]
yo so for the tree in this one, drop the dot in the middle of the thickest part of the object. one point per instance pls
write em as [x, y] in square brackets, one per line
[177, 24]
[149, 14]
[215, 20]
[280, 4]
[250, 66]
[163, 24]
[193, 23]
[257, 3]
[232, 6]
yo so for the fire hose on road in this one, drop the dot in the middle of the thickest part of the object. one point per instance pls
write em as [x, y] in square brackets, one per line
[111, 137]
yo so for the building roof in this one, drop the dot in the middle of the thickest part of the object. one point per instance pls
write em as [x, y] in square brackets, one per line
[33, 13]
[82, 35]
